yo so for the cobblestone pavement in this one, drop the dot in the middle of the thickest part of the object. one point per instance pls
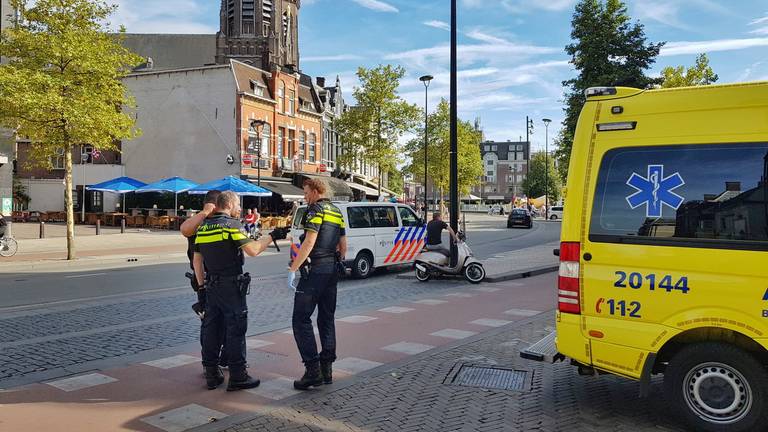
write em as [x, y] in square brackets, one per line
[414, 396]
[40, 341]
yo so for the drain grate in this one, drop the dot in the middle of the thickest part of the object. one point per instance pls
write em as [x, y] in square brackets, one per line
[492, 378]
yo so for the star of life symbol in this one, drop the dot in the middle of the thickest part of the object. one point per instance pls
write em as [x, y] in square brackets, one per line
[655, 191]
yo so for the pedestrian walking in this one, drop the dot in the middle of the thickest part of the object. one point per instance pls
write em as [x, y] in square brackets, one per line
[323, 247]
[220, 246]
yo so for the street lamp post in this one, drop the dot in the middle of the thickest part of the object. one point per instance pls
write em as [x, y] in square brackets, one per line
[454, 131]
[258, 126]
[546, 167]
[426, 80]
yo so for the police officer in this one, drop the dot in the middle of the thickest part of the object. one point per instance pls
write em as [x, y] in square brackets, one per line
[322, 249]
[218, 262]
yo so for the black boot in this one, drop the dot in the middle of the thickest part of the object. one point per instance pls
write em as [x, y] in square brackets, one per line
[311, 378]
[213, 377]
[326, 370]
[240, 380]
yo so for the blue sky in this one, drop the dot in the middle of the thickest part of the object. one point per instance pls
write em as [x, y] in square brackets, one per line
[511, 56]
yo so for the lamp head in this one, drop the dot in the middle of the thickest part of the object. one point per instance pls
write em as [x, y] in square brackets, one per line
[546, 121]
[426, 79]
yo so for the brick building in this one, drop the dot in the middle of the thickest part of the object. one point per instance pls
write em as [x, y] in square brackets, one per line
[505, 166]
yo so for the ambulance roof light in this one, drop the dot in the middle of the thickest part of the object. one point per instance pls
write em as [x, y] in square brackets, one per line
[600, 91]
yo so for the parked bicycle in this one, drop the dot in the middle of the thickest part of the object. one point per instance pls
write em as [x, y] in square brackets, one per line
[8, 247]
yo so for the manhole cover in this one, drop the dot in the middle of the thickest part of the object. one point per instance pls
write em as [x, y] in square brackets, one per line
[491, 378]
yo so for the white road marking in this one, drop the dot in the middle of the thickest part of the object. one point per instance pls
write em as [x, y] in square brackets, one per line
[81, 382]
[172, 362]
[453, 334]
[353, 365]
[183, 418]
[490, 322]
[83, 276]
[409, 348]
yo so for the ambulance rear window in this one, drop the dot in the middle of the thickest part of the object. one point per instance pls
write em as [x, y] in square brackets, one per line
[711, 196]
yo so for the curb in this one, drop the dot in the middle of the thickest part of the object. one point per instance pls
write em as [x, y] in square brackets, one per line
[515, 274]
[237, 419]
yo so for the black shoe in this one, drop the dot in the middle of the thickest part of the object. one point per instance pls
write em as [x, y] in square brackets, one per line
[214, 377]
[311, 378]
[242, 382]
[326, 370]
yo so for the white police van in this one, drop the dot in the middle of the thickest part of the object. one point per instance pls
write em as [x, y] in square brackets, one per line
[379, 234]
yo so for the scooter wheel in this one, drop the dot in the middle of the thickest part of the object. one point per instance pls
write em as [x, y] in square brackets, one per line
[474, 273]
[422, 276]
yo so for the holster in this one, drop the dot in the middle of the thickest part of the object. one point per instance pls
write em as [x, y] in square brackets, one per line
[341, 269]
[244, 283]
[305, 269]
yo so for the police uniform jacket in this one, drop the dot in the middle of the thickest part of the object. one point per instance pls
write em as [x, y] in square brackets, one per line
[324, 218]
[220, 240]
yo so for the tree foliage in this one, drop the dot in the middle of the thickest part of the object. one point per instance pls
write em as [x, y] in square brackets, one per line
[535, 183]
[700, 73]
[439, 149]
[371, 130]
[61, 85]
[608, 49]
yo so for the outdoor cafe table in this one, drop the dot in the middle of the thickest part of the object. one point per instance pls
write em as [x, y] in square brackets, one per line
[113, 218]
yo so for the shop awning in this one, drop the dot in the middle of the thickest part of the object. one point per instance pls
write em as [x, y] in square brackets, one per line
[338, 190]
[286, 190]
[368, 191]
[384, 191]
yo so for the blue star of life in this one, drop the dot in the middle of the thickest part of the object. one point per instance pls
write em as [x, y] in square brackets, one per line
[655, 191]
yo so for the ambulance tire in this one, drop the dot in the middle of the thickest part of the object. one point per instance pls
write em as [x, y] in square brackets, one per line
[732, 396]
[363, 265]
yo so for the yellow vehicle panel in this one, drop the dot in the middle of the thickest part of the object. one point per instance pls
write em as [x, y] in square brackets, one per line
[694, 262]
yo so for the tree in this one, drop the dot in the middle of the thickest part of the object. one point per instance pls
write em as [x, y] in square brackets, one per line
[607, 50]
[535, 184]
[372, 129]
[439, 150]
[698, 74]
[61, 86]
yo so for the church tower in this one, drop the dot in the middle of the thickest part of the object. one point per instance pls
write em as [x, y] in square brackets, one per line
[263, 33]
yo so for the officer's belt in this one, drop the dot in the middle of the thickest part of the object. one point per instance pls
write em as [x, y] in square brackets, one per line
[223, 278]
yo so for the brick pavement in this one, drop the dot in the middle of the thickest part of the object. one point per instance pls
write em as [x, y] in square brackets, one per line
[412, 396]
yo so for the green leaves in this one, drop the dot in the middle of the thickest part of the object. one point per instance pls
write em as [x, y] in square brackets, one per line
[535, 183]
[608, 49]
[698, 74]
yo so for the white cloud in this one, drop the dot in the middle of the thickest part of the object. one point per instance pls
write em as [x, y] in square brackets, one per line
[521, 6]
[331, 58]
[484, 37]
[761, 30]
[376, 5]
[168, 16]
[442, 25]
[759, 21]
[424, 58]
[681, 48]
[663, 12]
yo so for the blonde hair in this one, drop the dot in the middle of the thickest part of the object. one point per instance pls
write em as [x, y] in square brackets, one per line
[316, 185]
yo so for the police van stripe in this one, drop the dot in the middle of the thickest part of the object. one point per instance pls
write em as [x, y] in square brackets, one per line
[415, 245]
[419, 244]
[406, 243]
[394, 246]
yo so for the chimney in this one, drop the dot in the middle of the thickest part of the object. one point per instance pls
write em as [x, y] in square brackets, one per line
[321, 82]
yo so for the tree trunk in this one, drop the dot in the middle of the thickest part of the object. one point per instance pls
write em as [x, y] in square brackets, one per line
[68, 204]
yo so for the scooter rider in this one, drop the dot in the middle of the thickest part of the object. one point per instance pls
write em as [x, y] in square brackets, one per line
[218, 263]
[435, 229]
[324, 245]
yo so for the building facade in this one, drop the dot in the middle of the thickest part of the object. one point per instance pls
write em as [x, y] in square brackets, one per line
[505, 167]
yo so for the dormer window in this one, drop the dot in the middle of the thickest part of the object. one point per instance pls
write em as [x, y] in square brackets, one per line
[258, 88]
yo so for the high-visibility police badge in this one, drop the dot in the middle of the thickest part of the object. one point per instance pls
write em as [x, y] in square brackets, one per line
[655, 191]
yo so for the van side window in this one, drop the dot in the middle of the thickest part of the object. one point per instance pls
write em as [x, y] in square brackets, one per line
[408, 218]
[359, 217]
[298, 218]
[384, 217]
[708, 196]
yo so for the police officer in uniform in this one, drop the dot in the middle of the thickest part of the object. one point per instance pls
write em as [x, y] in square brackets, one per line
[219, 247]
[322, 250]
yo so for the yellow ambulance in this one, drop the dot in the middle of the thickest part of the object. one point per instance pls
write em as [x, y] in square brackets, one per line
[663, 263]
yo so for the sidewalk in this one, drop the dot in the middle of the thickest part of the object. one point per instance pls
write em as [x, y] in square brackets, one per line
[164, 391]
[516, 264]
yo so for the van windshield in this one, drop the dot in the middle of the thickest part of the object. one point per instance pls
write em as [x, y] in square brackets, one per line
[299, 217]
[701, 195]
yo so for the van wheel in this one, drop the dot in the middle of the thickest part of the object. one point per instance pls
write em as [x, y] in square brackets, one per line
[475, 273]
[363, 265]
[553, 217]
[717, 387]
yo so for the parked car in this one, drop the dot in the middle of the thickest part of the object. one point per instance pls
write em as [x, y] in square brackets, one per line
[521, 217]
[379, 234]
[556, 212]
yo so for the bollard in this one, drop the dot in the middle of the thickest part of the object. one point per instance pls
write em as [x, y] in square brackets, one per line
[122, 226]
[98, 226]
[42, 229]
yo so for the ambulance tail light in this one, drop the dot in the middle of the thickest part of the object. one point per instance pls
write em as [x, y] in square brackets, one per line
[568, 284]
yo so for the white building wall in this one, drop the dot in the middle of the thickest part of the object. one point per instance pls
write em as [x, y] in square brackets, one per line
[188, 125]
[48, 194]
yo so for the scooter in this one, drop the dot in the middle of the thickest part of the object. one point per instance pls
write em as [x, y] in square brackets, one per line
[435, 263]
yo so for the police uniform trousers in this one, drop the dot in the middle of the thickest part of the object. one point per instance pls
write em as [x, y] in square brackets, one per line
[318, 290]
[226, 318]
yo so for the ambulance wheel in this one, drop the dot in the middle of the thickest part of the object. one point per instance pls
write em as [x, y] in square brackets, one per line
[422, 276]
[717, 387]
[363, 265]
[475, 273]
